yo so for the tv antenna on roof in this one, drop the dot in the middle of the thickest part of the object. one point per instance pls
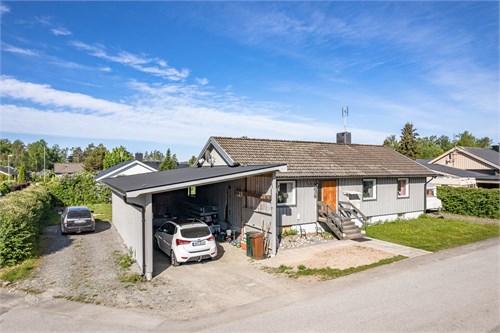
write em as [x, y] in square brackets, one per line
[345, 113]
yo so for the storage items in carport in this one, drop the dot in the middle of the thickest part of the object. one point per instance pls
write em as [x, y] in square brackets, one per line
[206, 213]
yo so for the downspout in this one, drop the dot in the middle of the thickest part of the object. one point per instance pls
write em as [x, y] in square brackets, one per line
[425, 192]
[142, 208]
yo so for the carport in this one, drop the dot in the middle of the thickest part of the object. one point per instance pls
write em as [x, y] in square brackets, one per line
[245, 197]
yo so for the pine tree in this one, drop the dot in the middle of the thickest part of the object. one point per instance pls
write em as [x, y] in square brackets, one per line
[170, 161]
[408, 145]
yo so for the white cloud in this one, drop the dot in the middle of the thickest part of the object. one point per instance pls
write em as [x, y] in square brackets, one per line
[61, 31]
[4, 9]
[161, 113]
[18, 50]
[202, 81]
[138, 62]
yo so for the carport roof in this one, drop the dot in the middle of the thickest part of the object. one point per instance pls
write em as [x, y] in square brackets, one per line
[155, 182]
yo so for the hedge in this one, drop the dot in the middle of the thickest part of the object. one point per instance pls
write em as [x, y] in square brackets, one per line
[78, 189]
[470, 201]
[21, 219]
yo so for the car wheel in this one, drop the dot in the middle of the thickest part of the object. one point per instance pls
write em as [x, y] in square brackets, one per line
[155, 244]
[173, 259]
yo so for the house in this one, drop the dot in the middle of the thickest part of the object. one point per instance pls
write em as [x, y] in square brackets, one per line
[470, 167]
[267, 185]
[63, 169]
[126, 168]
[6, 171]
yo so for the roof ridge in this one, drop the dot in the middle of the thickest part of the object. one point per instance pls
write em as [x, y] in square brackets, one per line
[297, 141]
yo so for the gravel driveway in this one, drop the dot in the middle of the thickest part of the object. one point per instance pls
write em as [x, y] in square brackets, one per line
[82, 268]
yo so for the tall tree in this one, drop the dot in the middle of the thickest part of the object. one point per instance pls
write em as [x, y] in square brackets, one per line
[408, 145]
[170, 161]
[94, 157]
[154, 156]
[391, 142]
[466, 139]
[76, 155]
[21, 174]
[192, 161]
[444, 142]
[429, 148]
[115, 156]
[37, 152]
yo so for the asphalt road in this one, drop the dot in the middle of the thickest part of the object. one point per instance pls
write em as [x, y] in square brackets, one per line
[453, 290]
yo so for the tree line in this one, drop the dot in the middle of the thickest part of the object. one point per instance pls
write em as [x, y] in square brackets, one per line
[415, 147]
[30, 157]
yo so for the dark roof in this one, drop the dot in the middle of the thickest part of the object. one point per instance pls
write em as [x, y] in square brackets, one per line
[67, 168]
[113, 168]
[322, 159]
[439, 168]
[176, 176]
[154, 164]
[487, 154]
[6, 171]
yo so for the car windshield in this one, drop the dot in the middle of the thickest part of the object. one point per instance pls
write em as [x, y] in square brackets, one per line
[195, 232]
[78, 214]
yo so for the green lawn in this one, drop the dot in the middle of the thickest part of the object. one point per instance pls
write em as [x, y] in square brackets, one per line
[432, 234]
[101, 211]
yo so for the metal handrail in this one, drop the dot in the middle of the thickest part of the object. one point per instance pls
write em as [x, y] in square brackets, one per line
[357, 213]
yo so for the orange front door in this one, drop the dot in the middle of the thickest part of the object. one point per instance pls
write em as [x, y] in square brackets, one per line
[329, 193]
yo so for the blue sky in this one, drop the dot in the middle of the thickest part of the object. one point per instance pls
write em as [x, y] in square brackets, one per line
[153, 75]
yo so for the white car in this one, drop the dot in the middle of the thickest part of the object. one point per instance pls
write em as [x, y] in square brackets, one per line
[433, 203]
[183, 241]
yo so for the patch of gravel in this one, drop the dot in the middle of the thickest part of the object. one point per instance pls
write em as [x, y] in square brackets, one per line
[297, 241]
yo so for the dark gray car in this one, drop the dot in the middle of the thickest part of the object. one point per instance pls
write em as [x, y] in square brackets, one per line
[77, 219]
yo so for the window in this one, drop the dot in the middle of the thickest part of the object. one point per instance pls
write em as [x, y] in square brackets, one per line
[369, 189]
[192, 191]
[403, 189]
[286, 193]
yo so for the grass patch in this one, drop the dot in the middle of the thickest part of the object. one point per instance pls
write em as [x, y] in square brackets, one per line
[131, 278]
[432, 234]
[19, 272]
[124, 261]
[328, 273]
[53, 218]
[102, 212]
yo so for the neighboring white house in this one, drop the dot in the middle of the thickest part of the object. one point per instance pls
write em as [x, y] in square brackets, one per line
[127, 168]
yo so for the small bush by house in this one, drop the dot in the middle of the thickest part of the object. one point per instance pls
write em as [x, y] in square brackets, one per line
[470, 201]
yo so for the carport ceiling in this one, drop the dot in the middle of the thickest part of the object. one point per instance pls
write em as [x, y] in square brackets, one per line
[156, 182]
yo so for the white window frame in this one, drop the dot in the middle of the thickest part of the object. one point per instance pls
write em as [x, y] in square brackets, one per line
[293, 193]
[374, 182]
[407, 188]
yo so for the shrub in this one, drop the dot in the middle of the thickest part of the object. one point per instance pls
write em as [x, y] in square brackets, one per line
[78, 189]
[21, 219]
[470, 201]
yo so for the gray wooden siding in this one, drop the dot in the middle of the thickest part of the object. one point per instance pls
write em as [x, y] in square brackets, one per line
[219, 194]
[305, 207]
[387, 201]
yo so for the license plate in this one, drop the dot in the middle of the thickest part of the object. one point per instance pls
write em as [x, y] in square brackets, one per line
[80, 221]
[198, 243]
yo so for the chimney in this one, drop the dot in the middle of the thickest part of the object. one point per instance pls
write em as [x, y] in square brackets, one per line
[138, 157]
[344, 137]
[495, 148]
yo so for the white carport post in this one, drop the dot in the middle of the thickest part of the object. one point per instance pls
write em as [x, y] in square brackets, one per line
[148, 236]
[274, 214]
